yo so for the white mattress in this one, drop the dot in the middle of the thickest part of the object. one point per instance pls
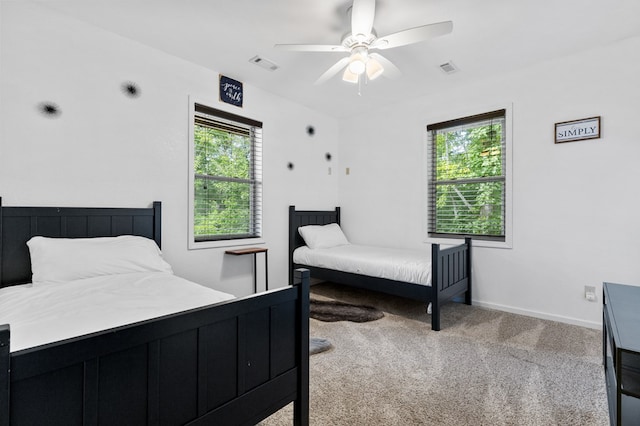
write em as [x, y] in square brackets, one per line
[411, 266]
[47, 313]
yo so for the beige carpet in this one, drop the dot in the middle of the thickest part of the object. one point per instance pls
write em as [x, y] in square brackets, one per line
[484, 367]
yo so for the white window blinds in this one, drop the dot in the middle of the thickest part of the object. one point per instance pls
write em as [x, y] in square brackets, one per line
[467, 177]
[227, 176]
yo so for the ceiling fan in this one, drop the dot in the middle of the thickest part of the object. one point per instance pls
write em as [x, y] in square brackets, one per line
[362, 40]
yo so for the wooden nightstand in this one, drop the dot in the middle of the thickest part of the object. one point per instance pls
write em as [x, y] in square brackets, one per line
[254, 251]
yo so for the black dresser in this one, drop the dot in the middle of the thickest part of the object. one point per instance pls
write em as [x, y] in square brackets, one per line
[621, 350]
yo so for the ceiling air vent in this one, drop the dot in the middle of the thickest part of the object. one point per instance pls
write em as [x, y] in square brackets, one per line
[448, 67]
[264, 63]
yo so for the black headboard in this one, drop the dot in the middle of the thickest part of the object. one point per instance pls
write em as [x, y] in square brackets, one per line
[298, 218]
[19, 224]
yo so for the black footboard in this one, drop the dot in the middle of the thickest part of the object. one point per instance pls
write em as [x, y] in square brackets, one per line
[450, 277]
[233, 363]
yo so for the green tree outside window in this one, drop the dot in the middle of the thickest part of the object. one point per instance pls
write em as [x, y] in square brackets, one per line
[227, 184]
[467, 185]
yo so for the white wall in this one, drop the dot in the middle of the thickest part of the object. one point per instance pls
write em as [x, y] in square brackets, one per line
[106, 149]
[575, 205]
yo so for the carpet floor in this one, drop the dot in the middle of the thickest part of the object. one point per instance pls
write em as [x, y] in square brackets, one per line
[484, 367]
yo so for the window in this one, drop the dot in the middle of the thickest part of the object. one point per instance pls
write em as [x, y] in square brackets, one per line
[226, 177]
[468, 177]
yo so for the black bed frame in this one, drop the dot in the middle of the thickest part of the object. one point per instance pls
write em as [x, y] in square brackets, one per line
[450, 274]
[231, 363]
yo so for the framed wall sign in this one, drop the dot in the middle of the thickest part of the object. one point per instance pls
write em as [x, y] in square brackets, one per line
[578, 130]
[230, 91]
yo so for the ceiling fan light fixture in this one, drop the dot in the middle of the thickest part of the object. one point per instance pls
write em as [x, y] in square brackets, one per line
[349, 76]
[358, 61]
[374, 69]
[357, 66]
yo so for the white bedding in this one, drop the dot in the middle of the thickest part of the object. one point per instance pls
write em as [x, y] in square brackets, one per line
[411, 266]
[44, 314]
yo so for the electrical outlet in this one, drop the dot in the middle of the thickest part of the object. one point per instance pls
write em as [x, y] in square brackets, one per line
[590, 293]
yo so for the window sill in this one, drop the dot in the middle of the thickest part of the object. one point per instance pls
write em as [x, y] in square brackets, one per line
[193, 245]
[475, 243]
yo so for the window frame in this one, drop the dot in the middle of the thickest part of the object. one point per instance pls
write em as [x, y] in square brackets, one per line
[508, 191]
[231, 242]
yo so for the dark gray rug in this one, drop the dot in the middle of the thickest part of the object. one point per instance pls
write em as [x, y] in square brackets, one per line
[332, 311]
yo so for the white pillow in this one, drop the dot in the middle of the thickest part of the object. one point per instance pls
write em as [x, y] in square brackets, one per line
[55, 260]
[323, 236]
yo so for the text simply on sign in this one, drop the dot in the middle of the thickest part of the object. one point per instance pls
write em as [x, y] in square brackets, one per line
[568, 131]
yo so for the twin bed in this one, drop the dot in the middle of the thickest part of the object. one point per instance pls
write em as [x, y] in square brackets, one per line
[204, 358]
[317, 244]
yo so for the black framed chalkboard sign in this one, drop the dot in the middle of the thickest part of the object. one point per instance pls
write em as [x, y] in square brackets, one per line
[231, 91]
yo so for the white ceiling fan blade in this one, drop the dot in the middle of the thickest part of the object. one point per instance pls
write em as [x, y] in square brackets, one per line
[333, 70]
[362, 14]
[311, 47]
[413, 35]
[390, 70]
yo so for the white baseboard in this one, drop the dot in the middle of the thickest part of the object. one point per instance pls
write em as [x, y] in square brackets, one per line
[541, 315]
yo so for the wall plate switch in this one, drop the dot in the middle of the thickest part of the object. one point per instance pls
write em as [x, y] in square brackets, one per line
[590, 293]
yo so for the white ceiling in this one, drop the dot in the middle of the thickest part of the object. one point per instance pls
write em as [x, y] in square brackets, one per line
[489, 37]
